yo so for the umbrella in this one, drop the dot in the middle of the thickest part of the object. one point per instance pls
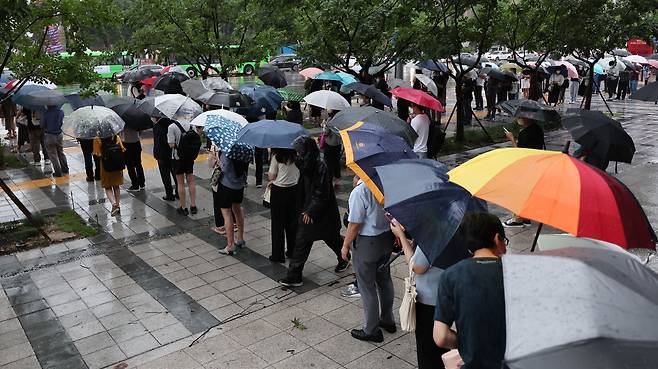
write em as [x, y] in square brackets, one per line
[222, 131]
[501, 75]
[636, 59]
[45, 98]
[618, 65]
[530, 109]
[328, 76]
[271, 134]
[548, 242]
[418, 97]
[202, 119]
[20, 97]
[128, 109]
[173, 106]
[290, 94]
[571, 69]
[93, 121]
[428, 83]
[327, 100]
[433, 65]
[510, 66]
[653, 63]
[174, 69]
[577, 62]
[139, 75]
[647, 93]
[370, 91]
[388, 121]
[599, 134]
[579, 308]
[418, 194]
[76, 101]
[267, 100]
[346, 78]
[559, 190]
[272, 76]
[226, 98]
[169, 83]
[310, 72]
[469, 60]
[489, 65]
[367, 148]
[396, 82]
[620, 52]
[598, 69]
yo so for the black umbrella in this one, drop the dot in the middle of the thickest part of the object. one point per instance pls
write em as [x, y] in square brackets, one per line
[501, 75]
[600, 134]
[647, 93]
[563, 68]
[433, 65]
[169, 83]
[621, 52]
[127, 109]
[577, 62]
[391, 123]
[469, 60]
[45, 98]
[653, 57]
[273, 76]
[77, 102]
[139, 75]
[370, 91]
[226, 98]
[530, 109]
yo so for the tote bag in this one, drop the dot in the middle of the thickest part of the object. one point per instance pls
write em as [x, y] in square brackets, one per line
[408, 306]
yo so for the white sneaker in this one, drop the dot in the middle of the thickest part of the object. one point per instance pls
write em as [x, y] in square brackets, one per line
[350, 291]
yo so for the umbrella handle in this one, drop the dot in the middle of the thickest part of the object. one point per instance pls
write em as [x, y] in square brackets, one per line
[565, 149]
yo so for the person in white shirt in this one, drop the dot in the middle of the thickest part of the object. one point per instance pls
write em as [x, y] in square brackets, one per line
[421, 124]
[283, 176]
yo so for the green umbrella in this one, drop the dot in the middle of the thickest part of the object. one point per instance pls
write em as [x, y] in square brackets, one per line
[290, 94]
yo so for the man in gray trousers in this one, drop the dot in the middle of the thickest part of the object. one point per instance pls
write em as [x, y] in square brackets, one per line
[370, 228]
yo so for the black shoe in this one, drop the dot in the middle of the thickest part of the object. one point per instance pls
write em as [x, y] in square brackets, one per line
[342, 266]
[142, 187]
[290, 282]
[289, 254]
[193, 210]
[133, 189]
[390, 328]
[89, 179]
[276, 260]
[527, 222]
[182, 211]
[169, 198]
[360, 335]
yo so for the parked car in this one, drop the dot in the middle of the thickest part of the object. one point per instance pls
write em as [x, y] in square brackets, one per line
[286, 61]
[498, 55]
[153, 67]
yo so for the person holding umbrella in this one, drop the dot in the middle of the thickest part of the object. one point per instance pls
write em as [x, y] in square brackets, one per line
[283, 176]
[420, 122]
[133, 147]
[554, 86]
[162, 153]
[51, 122]
[110, 151]
[230, 194]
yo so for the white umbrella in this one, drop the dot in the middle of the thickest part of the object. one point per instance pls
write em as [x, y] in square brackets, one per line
[327, 100]
[576, 308]
[200, 120]
[173, 106]
[618, 67]
[93, 121]
[427, 82]
[548, 242]
[636, 59]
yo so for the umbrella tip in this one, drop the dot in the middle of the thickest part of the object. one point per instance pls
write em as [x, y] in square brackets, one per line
[565, 149]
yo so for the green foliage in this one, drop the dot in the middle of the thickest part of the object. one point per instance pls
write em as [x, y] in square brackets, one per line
[70, 221]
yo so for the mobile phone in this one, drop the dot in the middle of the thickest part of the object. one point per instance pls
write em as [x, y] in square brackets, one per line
[390, 218]
[506, 131]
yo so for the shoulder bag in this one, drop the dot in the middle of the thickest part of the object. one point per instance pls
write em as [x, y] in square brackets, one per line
[408, 306]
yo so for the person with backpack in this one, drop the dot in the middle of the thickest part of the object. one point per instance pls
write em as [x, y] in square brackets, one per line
[420, 122]
[111, 153]
[185, 144]
[131, 141]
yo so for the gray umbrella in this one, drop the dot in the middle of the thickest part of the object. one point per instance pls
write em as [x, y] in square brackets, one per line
[396, 82]
[389, 122]
[45, 98]
[93, 121]
[646, 93]
[577, 308]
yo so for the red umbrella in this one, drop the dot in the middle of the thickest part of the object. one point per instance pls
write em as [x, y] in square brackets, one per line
[418, 97]
[149, 81]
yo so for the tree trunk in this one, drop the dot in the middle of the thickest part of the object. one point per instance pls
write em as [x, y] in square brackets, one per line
[590, 88]
[460, 112]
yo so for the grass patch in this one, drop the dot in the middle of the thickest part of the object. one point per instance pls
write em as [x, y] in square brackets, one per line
[296, 323]
[11, 161]
[70, 221]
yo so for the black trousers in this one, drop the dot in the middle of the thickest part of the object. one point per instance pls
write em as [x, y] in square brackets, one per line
[622, 89]
[167, 175]
[332, 159]
[283, 208]
[133, 157]
[306, 235]
[429, 354]
[478, 98]
[611, 86]
[23, 136]
[491, 103]
[87, 147]
[258, 158]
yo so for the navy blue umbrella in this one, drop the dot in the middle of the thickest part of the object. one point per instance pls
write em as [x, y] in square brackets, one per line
[266, 99]
[418, 194]
[78, 102]
[271, 134]
[433, 65]
[370, 91]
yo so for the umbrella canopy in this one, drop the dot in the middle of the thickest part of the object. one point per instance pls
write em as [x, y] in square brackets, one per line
[271, 134]
[468, 60]
[598, 69]
[202, 119]
[636, 59]
[571, 69]
[647, 93]
[501, 75]
[346, 78]
[653, 57]
[310, 72]
[272, 76]
[267, 100]
[581, 308]
[45, 98]
[173, 106]
[195, 88]
[418, 194]
[367, 148]
[370, 91]
[653, 63]
[170, 83]
[621, 52]
[174, 69]
[577, 62]
[93, 121]
[428, 83]
[433, 65]
[548, 242]
[76, 101]
[387, 121]
[290, 94]
[618, 64]
[326, 99]
[226, 98]
[396, 82]
[530, 109]
[223, 132]
[20, 96]
[418, 97]
[128, 109]
[510, 66]
[597, 133]
[139, 75]
[558, 190]
[328, 76]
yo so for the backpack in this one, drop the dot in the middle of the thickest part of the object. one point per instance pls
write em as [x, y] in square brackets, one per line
[189, 145]
[435, 139]
[112, 158]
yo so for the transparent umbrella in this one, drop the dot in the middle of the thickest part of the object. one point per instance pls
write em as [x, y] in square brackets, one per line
[173, 106]
[93, 121]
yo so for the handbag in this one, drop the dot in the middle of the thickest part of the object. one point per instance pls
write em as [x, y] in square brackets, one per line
[216, 178]
[322, 142]
[266, 197]
[408, 306]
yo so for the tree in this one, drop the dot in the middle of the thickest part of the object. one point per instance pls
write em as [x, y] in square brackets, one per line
[23, 31]
[374, 33]
[209, 33]
[451, 25]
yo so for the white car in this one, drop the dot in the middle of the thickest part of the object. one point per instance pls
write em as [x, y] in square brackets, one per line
[498, 55]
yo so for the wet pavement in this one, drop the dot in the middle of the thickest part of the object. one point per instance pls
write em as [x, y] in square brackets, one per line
[151, 290]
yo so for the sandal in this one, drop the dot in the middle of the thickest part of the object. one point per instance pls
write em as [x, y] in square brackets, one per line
[226, 251]
[115, 210]
[219, 230]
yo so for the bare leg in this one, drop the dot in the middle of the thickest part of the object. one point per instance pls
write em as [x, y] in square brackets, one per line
[228, 225]
[239, 219]
[109, 192]
[192, 187]
[117, 195]
[180, 181]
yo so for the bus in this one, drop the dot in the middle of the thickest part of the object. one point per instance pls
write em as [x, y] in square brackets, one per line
[106, 63]
[247, 68]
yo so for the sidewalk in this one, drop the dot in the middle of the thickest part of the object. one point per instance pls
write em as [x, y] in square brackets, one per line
[152, 282]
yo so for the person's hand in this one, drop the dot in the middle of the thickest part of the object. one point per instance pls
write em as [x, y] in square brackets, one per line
[397, 229]
[307, 219]
[509, 135]
[345, 252]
